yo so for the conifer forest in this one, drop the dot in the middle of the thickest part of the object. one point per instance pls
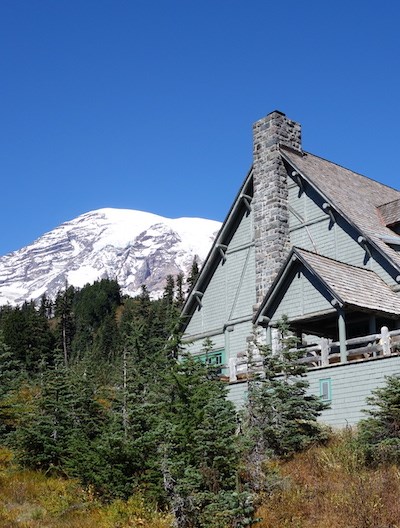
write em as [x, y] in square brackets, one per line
[97, 388]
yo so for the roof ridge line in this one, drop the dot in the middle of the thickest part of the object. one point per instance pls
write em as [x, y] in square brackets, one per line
[306, 153]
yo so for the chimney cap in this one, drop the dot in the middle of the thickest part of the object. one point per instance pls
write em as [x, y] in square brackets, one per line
[277, 112]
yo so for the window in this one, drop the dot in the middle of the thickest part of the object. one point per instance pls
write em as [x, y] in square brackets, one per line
[215, 359]
[325, 389]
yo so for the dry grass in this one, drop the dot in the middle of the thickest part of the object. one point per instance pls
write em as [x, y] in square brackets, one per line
[30, 499]
[330, 487]
[325, 487]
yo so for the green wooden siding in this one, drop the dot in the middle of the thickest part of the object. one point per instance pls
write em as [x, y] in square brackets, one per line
[301, 298]
[244, 232]
[318, 234]
[228, 298]
[351, 384]
[238, 394]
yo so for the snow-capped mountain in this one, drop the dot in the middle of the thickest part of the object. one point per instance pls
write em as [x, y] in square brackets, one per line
[133, 247]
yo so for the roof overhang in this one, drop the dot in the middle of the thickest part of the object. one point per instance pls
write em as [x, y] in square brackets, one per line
[240, 206]
[282, 281]
[331, 277]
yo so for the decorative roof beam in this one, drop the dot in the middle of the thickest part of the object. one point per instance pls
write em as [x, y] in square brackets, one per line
[329, 211]
[363, 243]
[246, 199]
[198, 296]
[298, 180]
[222, 248]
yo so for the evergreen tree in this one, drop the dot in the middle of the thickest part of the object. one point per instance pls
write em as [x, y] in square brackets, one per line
[26, 331]
[280, 416]
[93, 304]
[379, 434]
[180, 296]
[199, 451]
[169, 290]
[43, 436]
[11, 375]
[63, 311]
[46, 307]
[107, 339]
[193, 274]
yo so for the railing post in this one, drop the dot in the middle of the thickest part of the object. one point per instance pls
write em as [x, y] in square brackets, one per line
[385, 340]
[342, 336]
[324, 352]
[232, 369]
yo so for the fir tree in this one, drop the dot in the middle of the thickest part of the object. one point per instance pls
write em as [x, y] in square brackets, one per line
[199, 451]
[280, 416]
[169, 290]
[43, 437]
[193, 274]
[26, 331]
[180, 296]
[379, 434]
[11, 375]
[63, 311]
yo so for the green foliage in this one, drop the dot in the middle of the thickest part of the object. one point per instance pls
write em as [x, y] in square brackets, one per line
[11, 375]
[193, 274]
[65, 329]
[200, 450]
[94, 312]
[280, 417]
[27, 334]
[379, 434]
[111, 399]
[43, 436]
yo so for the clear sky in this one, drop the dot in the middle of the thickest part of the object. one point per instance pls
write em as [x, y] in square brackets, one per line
[149, 105]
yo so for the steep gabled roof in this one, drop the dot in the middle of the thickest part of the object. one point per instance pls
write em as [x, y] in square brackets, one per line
[356, 197]
[349, 285]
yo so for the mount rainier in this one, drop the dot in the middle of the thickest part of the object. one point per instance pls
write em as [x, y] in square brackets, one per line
[133, 247]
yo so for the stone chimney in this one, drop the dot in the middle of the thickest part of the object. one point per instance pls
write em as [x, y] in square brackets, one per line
[270, 199]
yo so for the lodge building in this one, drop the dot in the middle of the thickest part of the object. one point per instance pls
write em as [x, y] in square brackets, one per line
[319, 243]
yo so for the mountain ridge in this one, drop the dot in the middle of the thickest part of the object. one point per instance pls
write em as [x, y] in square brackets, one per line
[133, 247]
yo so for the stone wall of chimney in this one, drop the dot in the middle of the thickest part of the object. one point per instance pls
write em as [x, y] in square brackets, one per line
[270, 200]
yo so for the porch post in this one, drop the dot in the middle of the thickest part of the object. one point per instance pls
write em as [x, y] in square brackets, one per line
[268, 336]
[324, 352]
[372, 324]
[342, 336]
[231, 361]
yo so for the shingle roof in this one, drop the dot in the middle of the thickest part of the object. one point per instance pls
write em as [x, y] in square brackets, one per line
[354, 286]
[390, 212]
[356, 197]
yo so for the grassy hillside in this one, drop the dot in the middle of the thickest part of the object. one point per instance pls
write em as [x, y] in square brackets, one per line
[29, 499]
[323, 487]
[330, 487]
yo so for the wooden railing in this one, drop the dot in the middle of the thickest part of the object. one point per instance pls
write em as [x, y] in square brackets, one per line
[358, 349]
[328, 353]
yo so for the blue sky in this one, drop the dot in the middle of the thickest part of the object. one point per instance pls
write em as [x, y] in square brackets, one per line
[149, 105]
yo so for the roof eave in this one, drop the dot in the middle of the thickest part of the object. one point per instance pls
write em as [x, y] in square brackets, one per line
[284, 272]
[213, 255]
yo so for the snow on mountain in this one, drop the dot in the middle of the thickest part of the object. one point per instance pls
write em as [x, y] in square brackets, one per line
[133, 247]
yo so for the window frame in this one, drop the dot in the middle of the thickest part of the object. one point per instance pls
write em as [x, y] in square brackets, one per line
[328, 382]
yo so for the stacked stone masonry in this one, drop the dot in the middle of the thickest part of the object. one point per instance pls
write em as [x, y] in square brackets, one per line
[270, 201]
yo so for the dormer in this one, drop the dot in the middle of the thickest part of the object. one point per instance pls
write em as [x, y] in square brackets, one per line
[390, 214]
